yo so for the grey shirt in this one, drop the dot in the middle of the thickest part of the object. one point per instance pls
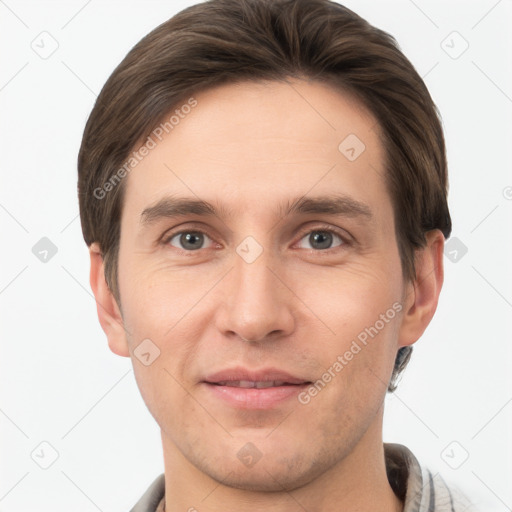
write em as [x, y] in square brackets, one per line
[418, 488]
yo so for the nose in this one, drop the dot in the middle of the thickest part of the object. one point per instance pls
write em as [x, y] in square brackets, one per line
[258, 305]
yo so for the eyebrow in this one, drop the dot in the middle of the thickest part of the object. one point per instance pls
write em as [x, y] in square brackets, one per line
[169, 207]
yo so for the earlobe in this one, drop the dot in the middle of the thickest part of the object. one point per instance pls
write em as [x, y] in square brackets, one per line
[421, 301]
[109, 314]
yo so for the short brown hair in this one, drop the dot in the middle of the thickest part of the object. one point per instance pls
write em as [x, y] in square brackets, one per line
[225, 41]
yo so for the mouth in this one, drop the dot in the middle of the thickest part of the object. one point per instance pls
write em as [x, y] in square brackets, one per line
[250, 384]
[245, 389]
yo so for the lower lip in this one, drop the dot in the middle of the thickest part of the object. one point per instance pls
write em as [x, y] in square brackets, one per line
[253, 398]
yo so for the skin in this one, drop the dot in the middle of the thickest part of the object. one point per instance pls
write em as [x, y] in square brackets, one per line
[250, 148]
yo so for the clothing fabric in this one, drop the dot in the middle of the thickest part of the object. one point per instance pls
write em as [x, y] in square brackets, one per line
[418, 488]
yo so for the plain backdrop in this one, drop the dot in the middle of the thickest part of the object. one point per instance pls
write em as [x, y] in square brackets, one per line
[68, 403]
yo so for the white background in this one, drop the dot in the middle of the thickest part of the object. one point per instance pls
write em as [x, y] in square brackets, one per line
[59, 381]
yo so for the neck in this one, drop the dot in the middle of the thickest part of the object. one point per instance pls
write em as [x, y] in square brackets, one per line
[358, 482]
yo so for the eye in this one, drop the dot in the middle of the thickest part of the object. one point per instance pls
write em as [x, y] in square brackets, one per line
[321, 239]
[189, 240]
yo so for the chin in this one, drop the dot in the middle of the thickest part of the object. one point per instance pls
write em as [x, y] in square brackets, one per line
[273, 472]
[273, 479]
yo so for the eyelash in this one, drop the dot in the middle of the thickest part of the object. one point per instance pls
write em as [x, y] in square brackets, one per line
[322, 228]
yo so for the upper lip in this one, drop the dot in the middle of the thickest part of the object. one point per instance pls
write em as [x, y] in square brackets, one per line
[262, 375]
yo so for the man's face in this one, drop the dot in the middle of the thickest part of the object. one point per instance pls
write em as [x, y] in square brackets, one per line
[257, 293]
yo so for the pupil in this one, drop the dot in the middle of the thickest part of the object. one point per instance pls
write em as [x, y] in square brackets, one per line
[320, 239]
[190, 240]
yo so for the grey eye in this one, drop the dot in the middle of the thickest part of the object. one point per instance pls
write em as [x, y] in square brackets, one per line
[320, 240]
[189, 240]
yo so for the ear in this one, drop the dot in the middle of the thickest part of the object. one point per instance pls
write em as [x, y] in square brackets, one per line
[109, 314]
[422, 295]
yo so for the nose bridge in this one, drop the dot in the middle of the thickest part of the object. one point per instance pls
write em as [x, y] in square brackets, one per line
[257, 303]
[253, 282]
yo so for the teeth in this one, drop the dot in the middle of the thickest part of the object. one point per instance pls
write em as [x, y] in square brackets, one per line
[262, 385]
[251, 384]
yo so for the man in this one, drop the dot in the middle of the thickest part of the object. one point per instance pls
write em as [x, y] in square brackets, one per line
[262, 186]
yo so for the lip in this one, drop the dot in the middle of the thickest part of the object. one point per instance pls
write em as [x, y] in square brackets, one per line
[264, 374]
[254, 398]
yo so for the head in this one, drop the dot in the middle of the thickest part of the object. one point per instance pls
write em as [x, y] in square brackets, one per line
[263, 184]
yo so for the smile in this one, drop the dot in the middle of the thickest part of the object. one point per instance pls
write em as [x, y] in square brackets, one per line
[254, 384]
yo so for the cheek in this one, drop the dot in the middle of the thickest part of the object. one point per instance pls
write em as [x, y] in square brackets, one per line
[361, 309]
[167, 398]
[156, 299]
[349, 299]
[158, 308]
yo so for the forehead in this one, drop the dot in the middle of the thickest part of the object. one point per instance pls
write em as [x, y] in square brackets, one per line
[255, 142]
